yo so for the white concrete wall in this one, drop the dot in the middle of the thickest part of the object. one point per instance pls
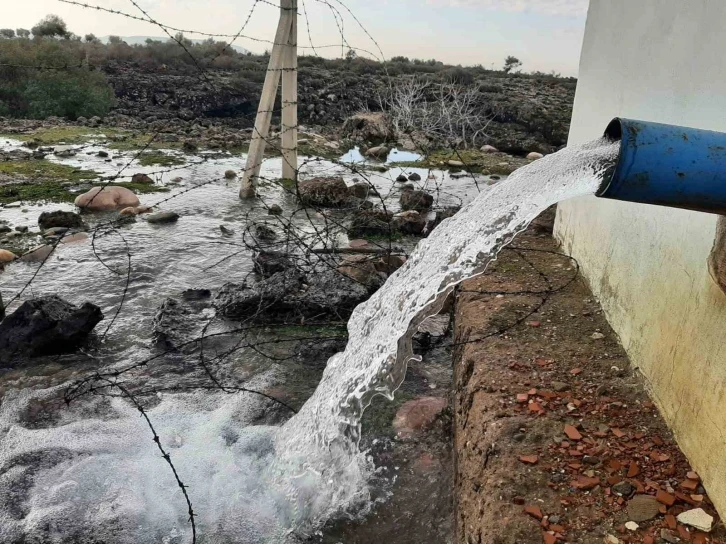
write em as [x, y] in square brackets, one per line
[665, 61]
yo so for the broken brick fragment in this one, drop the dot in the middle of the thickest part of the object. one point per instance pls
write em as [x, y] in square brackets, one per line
[549, 538]
[633, 470]
[572, 432]
[529, 459]
[534, 511]
[664, 497]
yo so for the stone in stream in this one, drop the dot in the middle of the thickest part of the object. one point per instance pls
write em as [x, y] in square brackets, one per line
[135, 210]
[362, 269]
[107, 198]
[534, 156]
[416, 200]
[180, 319]
[59, 218]
[362, 190]
[409, 222]
[230, 174]
[370, 222]
[102, 154]
[291, 293]
[161, 218]
[455, 164]
[378, 152]
[402, 178]
[7, 256]
[46, 325]
[22, 229]
[414, 177]
[268, 263]
[274, 209]
[324, 192]
[37, 255]
[142, 178]
[418, 415]
[55, 231]
[489, 149]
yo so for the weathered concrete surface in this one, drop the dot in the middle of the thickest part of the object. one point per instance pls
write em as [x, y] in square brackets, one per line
[554, 434]
[648, 265]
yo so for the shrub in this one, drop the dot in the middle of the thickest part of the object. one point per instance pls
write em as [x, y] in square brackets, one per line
[51, 26]
[22, 32]
[7, 33]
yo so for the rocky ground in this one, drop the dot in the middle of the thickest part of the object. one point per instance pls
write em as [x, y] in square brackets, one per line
[556, 439]
[528, 113]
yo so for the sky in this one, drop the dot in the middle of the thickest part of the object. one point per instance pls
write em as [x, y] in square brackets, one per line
[546, 35]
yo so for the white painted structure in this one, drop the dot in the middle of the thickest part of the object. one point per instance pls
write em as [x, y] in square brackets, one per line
[664, 61]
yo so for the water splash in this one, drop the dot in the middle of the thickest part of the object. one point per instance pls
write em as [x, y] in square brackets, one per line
[323, 438]
[94, 475]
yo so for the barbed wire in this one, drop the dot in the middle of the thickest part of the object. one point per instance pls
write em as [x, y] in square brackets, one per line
[311, 249]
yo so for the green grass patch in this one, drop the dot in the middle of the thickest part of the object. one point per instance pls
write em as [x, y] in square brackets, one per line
[158, 158]
[58, 135]
[44, 170]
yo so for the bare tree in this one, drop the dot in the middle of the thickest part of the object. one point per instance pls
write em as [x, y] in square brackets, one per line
[444, 113]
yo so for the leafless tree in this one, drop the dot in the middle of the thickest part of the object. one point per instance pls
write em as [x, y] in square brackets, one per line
[445, 113]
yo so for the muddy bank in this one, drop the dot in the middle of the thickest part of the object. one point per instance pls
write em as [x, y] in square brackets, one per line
[556, 439]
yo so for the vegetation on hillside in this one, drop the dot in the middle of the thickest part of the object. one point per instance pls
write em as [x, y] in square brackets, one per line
[49, 71]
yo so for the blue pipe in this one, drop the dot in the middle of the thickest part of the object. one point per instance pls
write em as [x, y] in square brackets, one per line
[667, 165]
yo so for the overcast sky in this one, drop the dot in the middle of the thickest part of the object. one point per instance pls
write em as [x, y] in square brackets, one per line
[545, 34]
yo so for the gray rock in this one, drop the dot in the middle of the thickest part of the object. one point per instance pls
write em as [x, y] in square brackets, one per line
[402, 178]
[274, 209]
[180, 319]
[291, 293]
[409, 222]
[102, 154]
[45, 326]
[163, 217]
[324, 192]
[624, 489]
[22, 228]
[59, 218]
[370, 222]
[269, 263]
[362, 190]
[416, 200]
[414, 177]
[142, 178]
[643, 508]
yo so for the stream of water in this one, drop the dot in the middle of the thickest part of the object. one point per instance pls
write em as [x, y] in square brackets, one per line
[96, 478]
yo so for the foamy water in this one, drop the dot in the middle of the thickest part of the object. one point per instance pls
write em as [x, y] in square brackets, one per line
[97, 474]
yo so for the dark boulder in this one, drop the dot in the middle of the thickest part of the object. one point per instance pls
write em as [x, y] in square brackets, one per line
[370, 222]
[59, 218]
[414, 177]
[290, 294]
[324, 192]
[46, 326]
[409, 222]
[268, 263]
[362, 190]
[142, 178]
[180, 320]
[416, 200]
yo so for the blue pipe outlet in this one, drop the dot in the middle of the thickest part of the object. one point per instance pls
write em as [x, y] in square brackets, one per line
[667, 165]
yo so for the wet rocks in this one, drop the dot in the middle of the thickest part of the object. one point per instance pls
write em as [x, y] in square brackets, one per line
[181, 319]
[142, 178]
[230, 174]
[274, 209]
[362, 190]
[6, 256]
[416, 200]
[409, 222]
[324, 192]
[402, 178]
[38, 254]
[371, 222]
[135, 210]
[292, 293]
[45, 326]
[455, 164]
[414, 177]
[417, 415]
[378, 152]
[268, 263]
[107, 198]
[489, 149]
[161, 218]
[362, 269]
[534, 156]
[60, 218]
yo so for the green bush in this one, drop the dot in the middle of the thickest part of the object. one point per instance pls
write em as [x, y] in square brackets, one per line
[69, 94]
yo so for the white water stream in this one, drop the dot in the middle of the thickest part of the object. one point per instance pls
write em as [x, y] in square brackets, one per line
[104, 480]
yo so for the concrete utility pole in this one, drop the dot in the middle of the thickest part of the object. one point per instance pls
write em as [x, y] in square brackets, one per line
[283, 60]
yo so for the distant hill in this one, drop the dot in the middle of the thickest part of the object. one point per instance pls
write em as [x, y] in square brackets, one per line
[141, 40]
